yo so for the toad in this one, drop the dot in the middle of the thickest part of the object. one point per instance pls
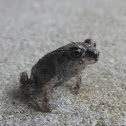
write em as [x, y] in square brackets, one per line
[57, 67]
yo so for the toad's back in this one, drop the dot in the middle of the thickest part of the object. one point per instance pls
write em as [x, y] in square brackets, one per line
[44, 70]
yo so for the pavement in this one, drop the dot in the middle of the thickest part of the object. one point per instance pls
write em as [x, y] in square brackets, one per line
[31, 28]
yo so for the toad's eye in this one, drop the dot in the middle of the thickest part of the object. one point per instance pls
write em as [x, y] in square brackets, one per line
[76, 52]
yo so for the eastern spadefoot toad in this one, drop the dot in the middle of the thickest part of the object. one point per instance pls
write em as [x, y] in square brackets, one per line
[57, 67]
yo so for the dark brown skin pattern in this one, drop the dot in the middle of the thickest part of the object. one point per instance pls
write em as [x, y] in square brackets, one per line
[57, 67]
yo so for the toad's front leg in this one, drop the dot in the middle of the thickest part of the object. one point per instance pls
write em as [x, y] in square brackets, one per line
[45, 106]
[78, 81]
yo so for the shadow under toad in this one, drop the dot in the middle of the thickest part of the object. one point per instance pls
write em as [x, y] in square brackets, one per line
[31, 101]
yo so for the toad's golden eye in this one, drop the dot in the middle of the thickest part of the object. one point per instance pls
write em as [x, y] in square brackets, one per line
[76, 52]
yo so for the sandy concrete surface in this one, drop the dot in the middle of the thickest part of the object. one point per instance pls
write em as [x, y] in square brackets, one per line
[31, 28]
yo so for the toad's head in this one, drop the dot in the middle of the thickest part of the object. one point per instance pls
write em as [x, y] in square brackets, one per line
[84, 52]
[76, 56]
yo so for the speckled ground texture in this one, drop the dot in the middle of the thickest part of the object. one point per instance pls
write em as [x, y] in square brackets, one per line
[31, 28]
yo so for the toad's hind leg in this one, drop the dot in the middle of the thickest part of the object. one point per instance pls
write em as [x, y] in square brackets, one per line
[27, 86]
[23, 79]
[78, 82]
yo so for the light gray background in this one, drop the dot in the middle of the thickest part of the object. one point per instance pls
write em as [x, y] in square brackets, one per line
[31, 28]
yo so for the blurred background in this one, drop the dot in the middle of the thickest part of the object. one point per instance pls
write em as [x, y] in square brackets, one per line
[31, 28]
